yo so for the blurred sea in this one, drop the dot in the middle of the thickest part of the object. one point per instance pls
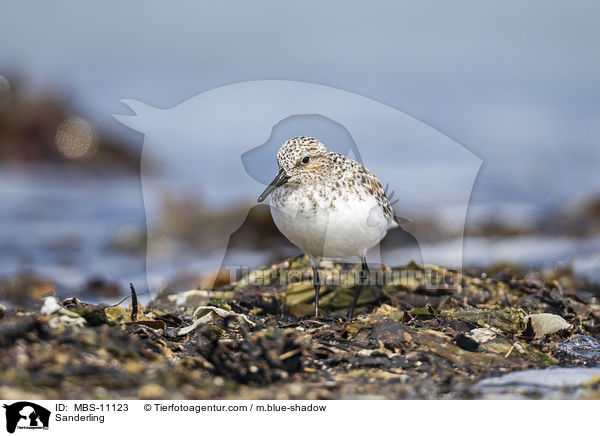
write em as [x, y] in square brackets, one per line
[73, 228]
[515, 83]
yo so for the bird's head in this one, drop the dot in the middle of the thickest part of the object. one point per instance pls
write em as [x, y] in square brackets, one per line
[301, 160]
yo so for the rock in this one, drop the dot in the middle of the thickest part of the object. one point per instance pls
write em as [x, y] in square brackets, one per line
[59, 316]
[465, 342]
[547, 383]
[209, 314]
[152, 391]
[539, 325]
[581, 346]
[482, 335]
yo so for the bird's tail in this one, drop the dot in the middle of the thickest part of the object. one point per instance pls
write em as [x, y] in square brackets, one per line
[392, 200]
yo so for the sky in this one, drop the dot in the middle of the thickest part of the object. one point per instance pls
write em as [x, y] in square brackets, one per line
[514, 82]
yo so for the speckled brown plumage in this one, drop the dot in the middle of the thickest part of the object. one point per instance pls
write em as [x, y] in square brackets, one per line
[328, 176]
[328, 205]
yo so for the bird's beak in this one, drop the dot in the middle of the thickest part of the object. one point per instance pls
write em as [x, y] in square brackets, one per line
[280, 179]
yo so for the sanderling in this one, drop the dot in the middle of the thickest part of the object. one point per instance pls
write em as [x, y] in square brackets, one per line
[329, 205]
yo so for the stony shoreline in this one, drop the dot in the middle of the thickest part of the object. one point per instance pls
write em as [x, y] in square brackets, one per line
[413, 338]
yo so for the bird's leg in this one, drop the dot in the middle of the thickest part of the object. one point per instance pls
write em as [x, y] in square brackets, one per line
[377, 289]
[316, 283]
[362, 282]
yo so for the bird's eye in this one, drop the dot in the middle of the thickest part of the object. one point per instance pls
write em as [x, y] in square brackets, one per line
[305, 159]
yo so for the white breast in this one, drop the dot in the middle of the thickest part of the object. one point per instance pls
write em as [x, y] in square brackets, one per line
[346, 227]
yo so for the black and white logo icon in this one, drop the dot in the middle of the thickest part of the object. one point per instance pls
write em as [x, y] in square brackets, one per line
[26, 415]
